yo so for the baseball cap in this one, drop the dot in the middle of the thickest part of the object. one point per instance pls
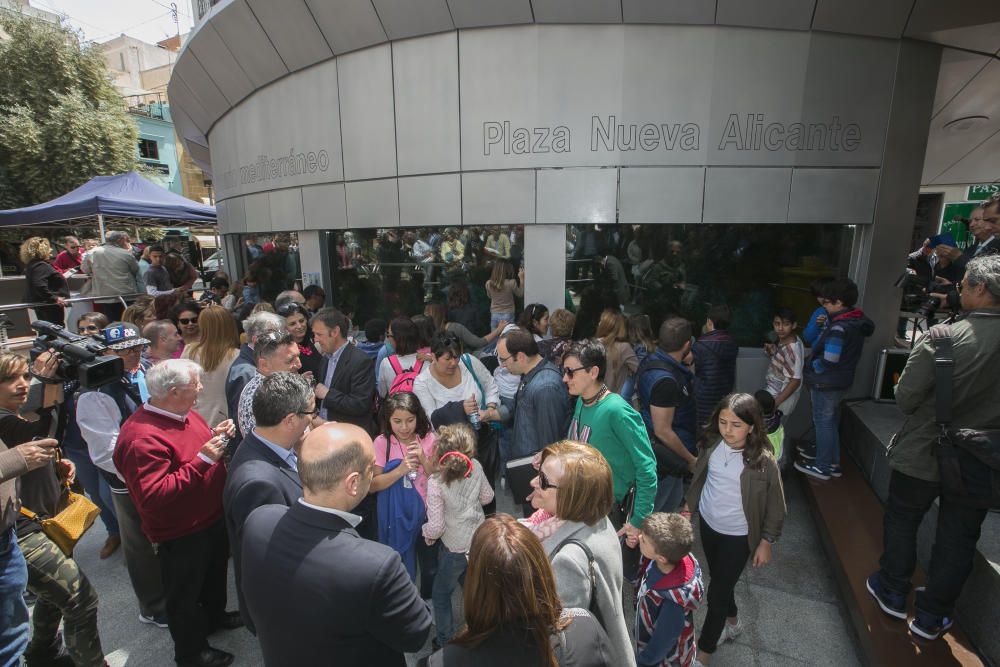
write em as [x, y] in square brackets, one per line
[945, 239]
[122, 336]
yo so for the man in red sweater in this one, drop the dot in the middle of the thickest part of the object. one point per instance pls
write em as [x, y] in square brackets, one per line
[171, 462]
[71, 257]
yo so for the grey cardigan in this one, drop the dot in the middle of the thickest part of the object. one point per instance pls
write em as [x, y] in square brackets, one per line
[573, 579]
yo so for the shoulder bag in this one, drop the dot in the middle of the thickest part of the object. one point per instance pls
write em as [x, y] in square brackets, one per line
[73, 520]
[968, 459]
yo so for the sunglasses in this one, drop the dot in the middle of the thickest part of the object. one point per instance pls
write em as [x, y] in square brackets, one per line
[543, 482]
[570, 372]
[289, 309]
[90, 327]
[186, 320]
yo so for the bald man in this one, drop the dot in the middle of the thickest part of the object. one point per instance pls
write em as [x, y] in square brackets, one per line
[317, 592]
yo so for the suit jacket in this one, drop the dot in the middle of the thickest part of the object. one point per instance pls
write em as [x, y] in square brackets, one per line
[319, 594]
[257, 477]
[352, 389]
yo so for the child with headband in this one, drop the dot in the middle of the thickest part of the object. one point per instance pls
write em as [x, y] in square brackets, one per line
[456, 494]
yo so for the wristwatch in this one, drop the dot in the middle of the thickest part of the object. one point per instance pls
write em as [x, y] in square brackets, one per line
[769, 539]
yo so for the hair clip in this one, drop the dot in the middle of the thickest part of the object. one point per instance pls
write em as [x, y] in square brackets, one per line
[462, 456]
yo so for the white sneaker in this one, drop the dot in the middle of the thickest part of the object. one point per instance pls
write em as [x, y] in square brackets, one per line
[731, 631]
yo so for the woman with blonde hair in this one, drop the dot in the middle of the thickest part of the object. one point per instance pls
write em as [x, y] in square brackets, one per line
[612, 331]
[513, 613]
[573, 495]
[215, 352]
[43, 282]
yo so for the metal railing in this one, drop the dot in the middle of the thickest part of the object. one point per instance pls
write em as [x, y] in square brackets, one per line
[75, 299]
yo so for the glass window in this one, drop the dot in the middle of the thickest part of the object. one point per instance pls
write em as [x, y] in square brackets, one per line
[272, 266]
[662, 270]
[149, 149]
[382, 273]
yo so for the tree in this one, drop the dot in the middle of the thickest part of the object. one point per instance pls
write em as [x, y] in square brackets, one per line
[61, 120]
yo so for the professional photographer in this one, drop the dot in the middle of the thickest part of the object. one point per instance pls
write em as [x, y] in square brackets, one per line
[64, 592]
[915, 481]
[100, 414]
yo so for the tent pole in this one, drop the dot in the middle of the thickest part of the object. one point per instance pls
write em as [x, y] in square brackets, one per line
[100, 225]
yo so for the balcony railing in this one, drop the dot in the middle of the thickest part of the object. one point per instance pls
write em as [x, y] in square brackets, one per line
[151, 105]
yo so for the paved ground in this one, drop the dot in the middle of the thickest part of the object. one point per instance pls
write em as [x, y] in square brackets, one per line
[791, 608]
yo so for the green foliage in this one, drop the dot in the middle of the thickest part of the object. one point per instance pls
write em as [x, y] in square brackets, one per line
[61, 120]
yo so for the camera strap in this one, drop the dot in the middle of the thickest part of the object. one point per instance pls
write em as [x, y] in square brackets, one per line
[944, 371]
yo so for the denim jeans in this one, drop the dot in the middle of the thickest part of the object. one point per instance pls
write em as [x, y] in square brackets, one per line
[669, 493]
[451, 566]
[14, 627]
[497, 318]
[95, 486]
[825, 407]
[958, 530]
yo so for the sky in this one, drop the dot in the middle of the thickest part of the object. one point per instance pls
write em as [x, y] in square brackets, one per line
[101, 20]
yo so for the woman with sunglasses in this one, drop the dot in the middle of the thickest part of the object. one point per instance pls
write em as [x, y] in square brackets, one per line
[456, 388]
[513, 614]
[573, 495]
[297, 322]
[608, 423]
[185, 316]
[92, 324]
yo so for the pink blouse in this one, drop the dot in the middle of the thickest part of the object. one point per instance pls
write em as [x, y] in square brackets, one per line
[398, 452]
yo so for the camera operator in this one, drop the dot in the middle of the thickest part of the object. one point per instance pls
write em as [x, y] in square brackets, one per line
[948, 271]
[100, 413]
[64, 592]
[915, 481]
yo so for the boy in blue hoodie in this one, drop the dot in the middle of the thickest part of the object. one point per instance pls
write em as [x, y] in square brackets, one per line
[829, 372]
[670, 590]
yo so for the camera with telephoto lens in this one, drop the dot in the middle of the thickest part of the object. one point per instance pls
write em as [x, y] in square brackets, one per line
[81, 358]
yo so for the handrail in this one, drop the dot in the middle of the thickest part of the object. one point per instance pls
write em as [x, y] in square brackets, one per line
[121, 297]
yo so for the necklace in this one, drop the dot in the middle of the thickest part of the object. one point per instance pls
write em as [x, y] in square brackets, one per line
[596, 397]
[729, 455]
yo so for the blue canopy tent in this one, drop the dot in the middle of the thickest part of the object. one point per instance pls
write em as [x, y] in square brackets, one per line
[129, 196]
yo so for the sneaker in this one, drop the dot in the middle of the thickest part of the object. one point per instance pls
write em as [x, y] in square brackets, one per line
[807, 452]
[891, 603]
[929, 626]
[159, 620]
[835, 470]
[812, 470]
[731, 631]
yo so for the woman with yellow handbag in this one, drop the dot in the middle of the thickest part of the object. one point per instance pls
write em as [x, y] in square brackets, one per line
[64, 593]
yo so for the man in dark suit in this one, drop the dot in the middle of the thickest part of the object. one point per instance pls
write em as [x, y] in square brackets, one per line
[264, 470]
[346, 383]
[318, 593]
[243, 367]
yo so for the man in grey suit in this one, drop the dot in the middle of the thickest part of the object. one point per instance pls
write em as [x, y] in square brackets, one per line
[264, 470]
[113, 270]
[317, 592]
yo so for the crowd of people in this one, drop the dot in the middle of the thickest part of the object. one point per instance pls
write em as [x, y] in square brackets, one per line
[336, 463]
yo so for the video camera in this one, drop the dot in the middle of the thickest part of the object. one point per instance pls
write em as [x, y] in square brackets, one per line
[81, 358]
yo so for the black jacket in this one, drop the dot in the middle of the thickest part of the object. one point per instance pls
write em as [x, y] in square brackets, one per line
[715, 370]
[319, 594]
[43, 283]
[257, 477]
[242, 369]
[352, 390]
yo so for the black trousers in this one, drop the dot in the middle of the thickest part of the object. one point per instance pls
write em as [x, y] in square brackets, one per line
[194, 582]
[958, 530]
[727, 555]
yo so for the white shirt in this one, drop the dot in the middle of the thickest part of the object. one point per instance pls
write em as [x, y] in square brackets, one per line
[721, 504]
[352, 519]
[433, 395]
[99, 420]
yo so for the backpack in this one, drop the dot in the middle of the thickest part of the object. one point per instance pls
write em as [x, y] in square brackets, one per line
[404, 378]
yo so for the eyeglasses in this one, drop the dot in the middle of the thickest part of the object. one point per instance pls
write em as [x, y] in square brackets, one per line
[504, 360]
[570, 372]
[187, 320]
[543, 482]
[309, 413]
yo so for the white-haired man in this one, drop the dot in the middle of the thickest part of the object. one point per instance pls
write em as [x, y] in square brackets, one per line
[170, 460]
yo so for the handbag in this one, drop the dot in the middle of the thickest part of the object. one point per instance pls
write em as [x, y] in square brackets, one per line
[65, 529]
[968, 459]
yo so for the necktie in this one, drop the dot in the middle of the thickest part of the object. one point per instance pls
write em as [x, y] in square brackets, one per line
[292, 460]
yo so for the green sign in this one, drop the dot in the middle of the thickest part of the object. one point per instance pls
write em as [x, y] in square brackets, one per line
[982, 192]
